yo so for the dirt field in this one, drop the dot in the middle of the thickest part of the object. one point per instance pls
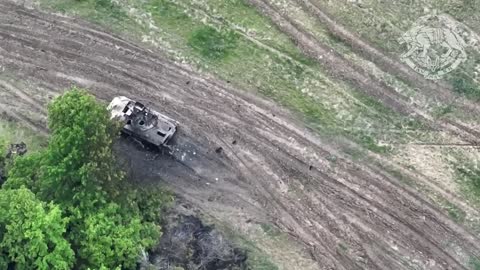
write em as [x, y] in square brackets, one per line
[242, 159]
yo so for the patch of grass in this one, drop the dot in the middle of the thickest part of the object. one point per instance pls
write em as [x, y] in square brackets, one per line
[370, 143]
[110, 7]
[343, 247]
[11, 132]
[166, 11]
[256, 262]
[104, 12]
[337, 40]
[398, 175]
[313, 111]
[444, 110]
[374, 104]
[385, 123]
[211, 43]
[256, 258]
[475, 263]
[354, 153]
[270, 230]
[242, 15]
[469, 175]
[465, 85]
[332, 158]
[455, 213]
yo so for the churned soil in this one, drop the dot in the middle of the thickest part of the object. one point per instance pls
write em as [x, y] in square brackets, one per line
[236, 157]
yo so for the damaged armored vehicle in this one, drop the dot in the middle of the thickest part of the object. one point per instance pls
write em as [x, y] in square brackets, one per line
[142, 122]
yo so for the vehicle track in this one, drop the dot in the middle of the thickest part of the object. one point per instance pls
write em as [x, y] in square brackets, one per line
[346, 70]
[438, 89]
[277, 170]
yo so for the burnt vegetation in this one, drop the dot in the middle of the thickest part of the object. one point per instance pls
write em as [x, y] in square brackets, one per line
[189, 244]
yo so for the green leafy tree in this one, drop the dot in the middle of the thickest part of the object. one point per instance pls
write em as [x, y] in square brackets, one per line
[32, 233]
[78, 172]
[25, 172]
[79, 167]
[3, 150]
[112, 239]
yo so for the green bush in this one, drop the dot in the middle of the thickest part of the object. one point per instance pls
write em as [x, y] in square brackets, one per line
[211, 43]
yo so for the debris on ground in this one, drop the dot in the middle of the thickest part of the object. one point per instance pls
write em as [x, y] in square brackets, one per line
[189, 244]
[16, 149]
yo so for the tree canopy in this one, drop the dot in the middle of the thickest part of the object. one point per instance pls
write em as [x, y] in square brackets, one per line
[71, 198]
[32, 233]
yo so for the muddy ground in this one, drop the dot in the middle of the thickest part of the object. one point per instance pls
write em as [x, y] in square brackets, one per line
[236, 157]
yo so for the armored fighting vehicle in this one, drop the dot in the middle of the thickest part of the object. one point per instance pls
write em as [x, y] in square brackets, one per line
[142, 122]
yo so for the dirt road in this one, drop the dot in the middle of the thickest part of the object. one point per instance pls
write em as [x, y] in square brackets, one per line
[235, 156]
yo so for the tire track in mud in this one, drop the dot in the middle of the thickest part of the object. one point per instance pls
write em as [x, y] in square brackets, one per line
[372, 204]
[339, 67]
[265, 175]
[388, 63]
